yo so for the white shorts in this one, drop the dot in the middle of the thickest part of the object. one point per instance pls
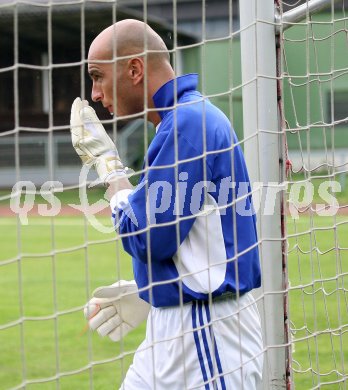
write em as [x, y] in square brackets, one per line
[200, 346]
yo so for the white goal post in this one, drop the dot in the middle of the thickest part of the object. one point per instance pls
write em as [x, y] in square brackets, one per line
[264, 156]
[263, 24]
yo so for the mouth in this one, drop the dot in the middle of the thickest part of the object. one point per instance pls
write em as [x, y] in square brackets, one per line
[111, 110]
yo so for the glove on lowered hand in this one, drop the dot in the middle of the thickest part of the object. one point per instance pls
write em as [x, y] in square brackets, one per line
[118, 309]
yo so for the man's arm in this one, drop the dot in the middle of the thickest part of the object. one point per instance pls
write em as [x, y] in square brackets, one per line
[114, 186]
[158, 215]
[116, 309]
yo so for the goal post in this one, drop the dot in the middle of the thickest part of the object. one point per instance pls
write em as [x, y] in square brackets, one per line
[268, 125]
[263, 139]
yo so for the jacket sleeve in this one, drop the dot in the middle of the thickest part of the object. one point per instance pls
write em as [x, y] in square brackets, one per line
[154, 219]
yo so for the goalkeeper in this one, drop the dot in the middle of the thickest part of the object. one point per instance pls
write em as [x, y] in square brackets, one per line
[188, 224]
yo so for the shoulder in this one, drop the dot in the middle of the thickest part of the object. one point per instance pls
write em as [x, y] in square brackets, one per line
[199, 118]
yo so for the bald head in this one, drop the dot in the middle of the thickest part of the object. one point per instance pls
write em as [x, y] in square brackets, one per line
[126, 38]
[126, 62]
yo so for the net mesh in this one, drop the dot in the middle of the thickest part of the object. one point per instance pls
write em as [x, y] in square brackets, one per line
[53, 255]
[314, 80]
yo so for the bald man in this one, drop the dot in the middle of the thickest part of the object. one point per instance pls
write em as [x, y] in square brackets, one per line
[193, 243]
[120, 41]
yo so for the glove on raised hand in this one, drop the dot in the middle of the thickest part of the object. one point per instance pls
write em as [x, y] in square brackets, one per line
[92, 143]
[120, 309]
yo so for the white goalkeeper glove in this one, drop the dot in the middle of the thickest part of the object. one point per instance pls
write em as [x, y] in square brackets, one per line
[92, 143]
[115, 310]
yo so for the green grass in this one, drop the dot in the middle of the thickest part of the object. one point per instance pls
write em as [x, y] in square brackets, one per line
[318, 275]
[53, 283]
[52, 266]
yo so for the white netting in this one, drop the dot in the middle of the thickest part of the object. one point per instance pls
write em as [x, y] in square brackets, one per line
[53, 255]
[314, 71]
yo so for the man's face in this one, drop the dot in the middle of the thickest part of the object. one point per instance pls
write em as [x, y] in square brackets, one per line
[109, 86]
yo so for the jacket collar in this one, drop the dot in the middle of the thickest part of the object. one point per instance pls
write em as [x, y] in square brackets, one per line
[165, 97]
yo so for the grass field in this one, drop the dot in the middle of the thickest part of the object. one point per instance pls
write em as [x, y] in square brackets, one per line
[49, 268]
[318, 274]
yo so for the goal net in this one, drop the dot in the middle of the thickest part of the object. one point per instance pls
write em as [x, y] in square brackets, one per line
[313, 71]
[279, 71]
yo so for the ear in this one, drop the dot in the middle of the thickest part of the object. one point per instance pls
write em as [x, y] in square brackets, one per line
[136, 70]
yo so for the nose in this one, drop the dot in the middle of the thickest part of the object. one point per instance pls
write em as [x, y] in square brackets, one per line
[96, 94]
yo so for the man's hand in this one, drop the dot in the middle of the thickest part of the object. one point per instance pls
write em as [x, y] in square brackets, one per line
[118, 309]
[92, 143]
